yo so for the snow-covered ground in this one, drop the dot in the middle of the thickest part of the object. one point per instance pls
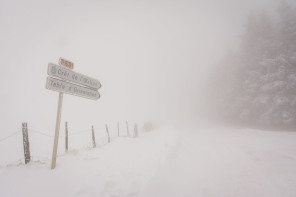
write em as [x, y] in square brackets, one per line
[196, 161]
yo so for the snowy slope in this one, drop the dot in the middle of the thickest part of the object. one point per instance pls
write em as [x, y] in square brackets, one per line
[223, 162]
[171, 162]
[121, 168]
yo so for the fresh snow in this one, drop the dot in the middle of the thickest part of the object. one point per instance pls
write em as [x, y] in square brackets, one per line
[195, 161]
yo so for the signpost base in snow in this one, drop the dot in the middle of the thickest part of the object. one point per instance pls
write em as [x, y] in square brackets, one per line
[56, 135]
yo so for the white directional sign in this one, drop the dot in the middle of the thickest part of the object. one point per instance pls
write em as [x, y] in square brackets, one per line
[63, 80]
[70, 88]
[69, 75]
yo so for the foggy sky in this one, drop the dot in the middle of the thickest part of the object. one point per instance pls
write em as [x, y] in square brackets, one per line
[151, 57]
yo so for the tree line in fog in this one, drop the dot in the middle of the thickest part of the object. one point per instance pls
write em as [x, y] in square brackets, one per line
[256, 84]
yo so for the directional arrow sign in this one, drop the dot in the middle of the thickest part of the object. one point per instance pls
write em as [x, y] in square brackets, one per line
[69, 75]
[70, 88]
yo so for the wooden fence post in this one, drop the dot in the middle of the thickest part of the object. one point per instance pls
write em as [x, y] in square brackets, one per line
[136, 130]
[66, 136]
[108, 133]
[26, 142]
[93, 137]
[128, 134]
[118, 129]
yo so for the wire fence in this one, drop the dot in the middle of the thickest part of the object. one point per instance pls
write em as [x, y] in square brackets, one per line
[9, 136]
[79, 139]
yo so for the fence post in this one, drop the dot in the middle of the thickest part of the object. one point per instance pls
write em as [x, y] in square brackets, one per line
[107, 133]
[118, 129]
[127, 129]
[66, 136]
[136, 130]
[26, 142]
[93, 136]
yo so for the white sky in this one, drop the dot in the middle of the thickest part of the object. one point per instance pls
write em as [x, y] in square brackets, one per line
[151, 57]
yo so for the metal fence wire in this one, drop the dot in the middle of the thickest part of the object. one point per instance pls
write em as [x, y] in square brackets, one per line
[93, 136]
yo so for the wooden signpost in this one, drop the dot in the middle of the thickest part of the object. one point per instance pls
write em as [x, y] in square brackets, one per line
[63, 80]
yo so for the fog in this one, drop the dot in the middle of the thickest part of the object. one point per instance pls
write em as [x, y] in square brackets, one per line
[151, 57]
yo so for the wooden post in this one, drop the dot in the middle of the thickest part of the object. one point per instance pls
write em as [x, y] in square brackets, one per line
[136, 130]
[66, 136]
[118, 128]
[128, 134]
[26, 143]
[93, 136]
[57, 130]
[108, 133]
